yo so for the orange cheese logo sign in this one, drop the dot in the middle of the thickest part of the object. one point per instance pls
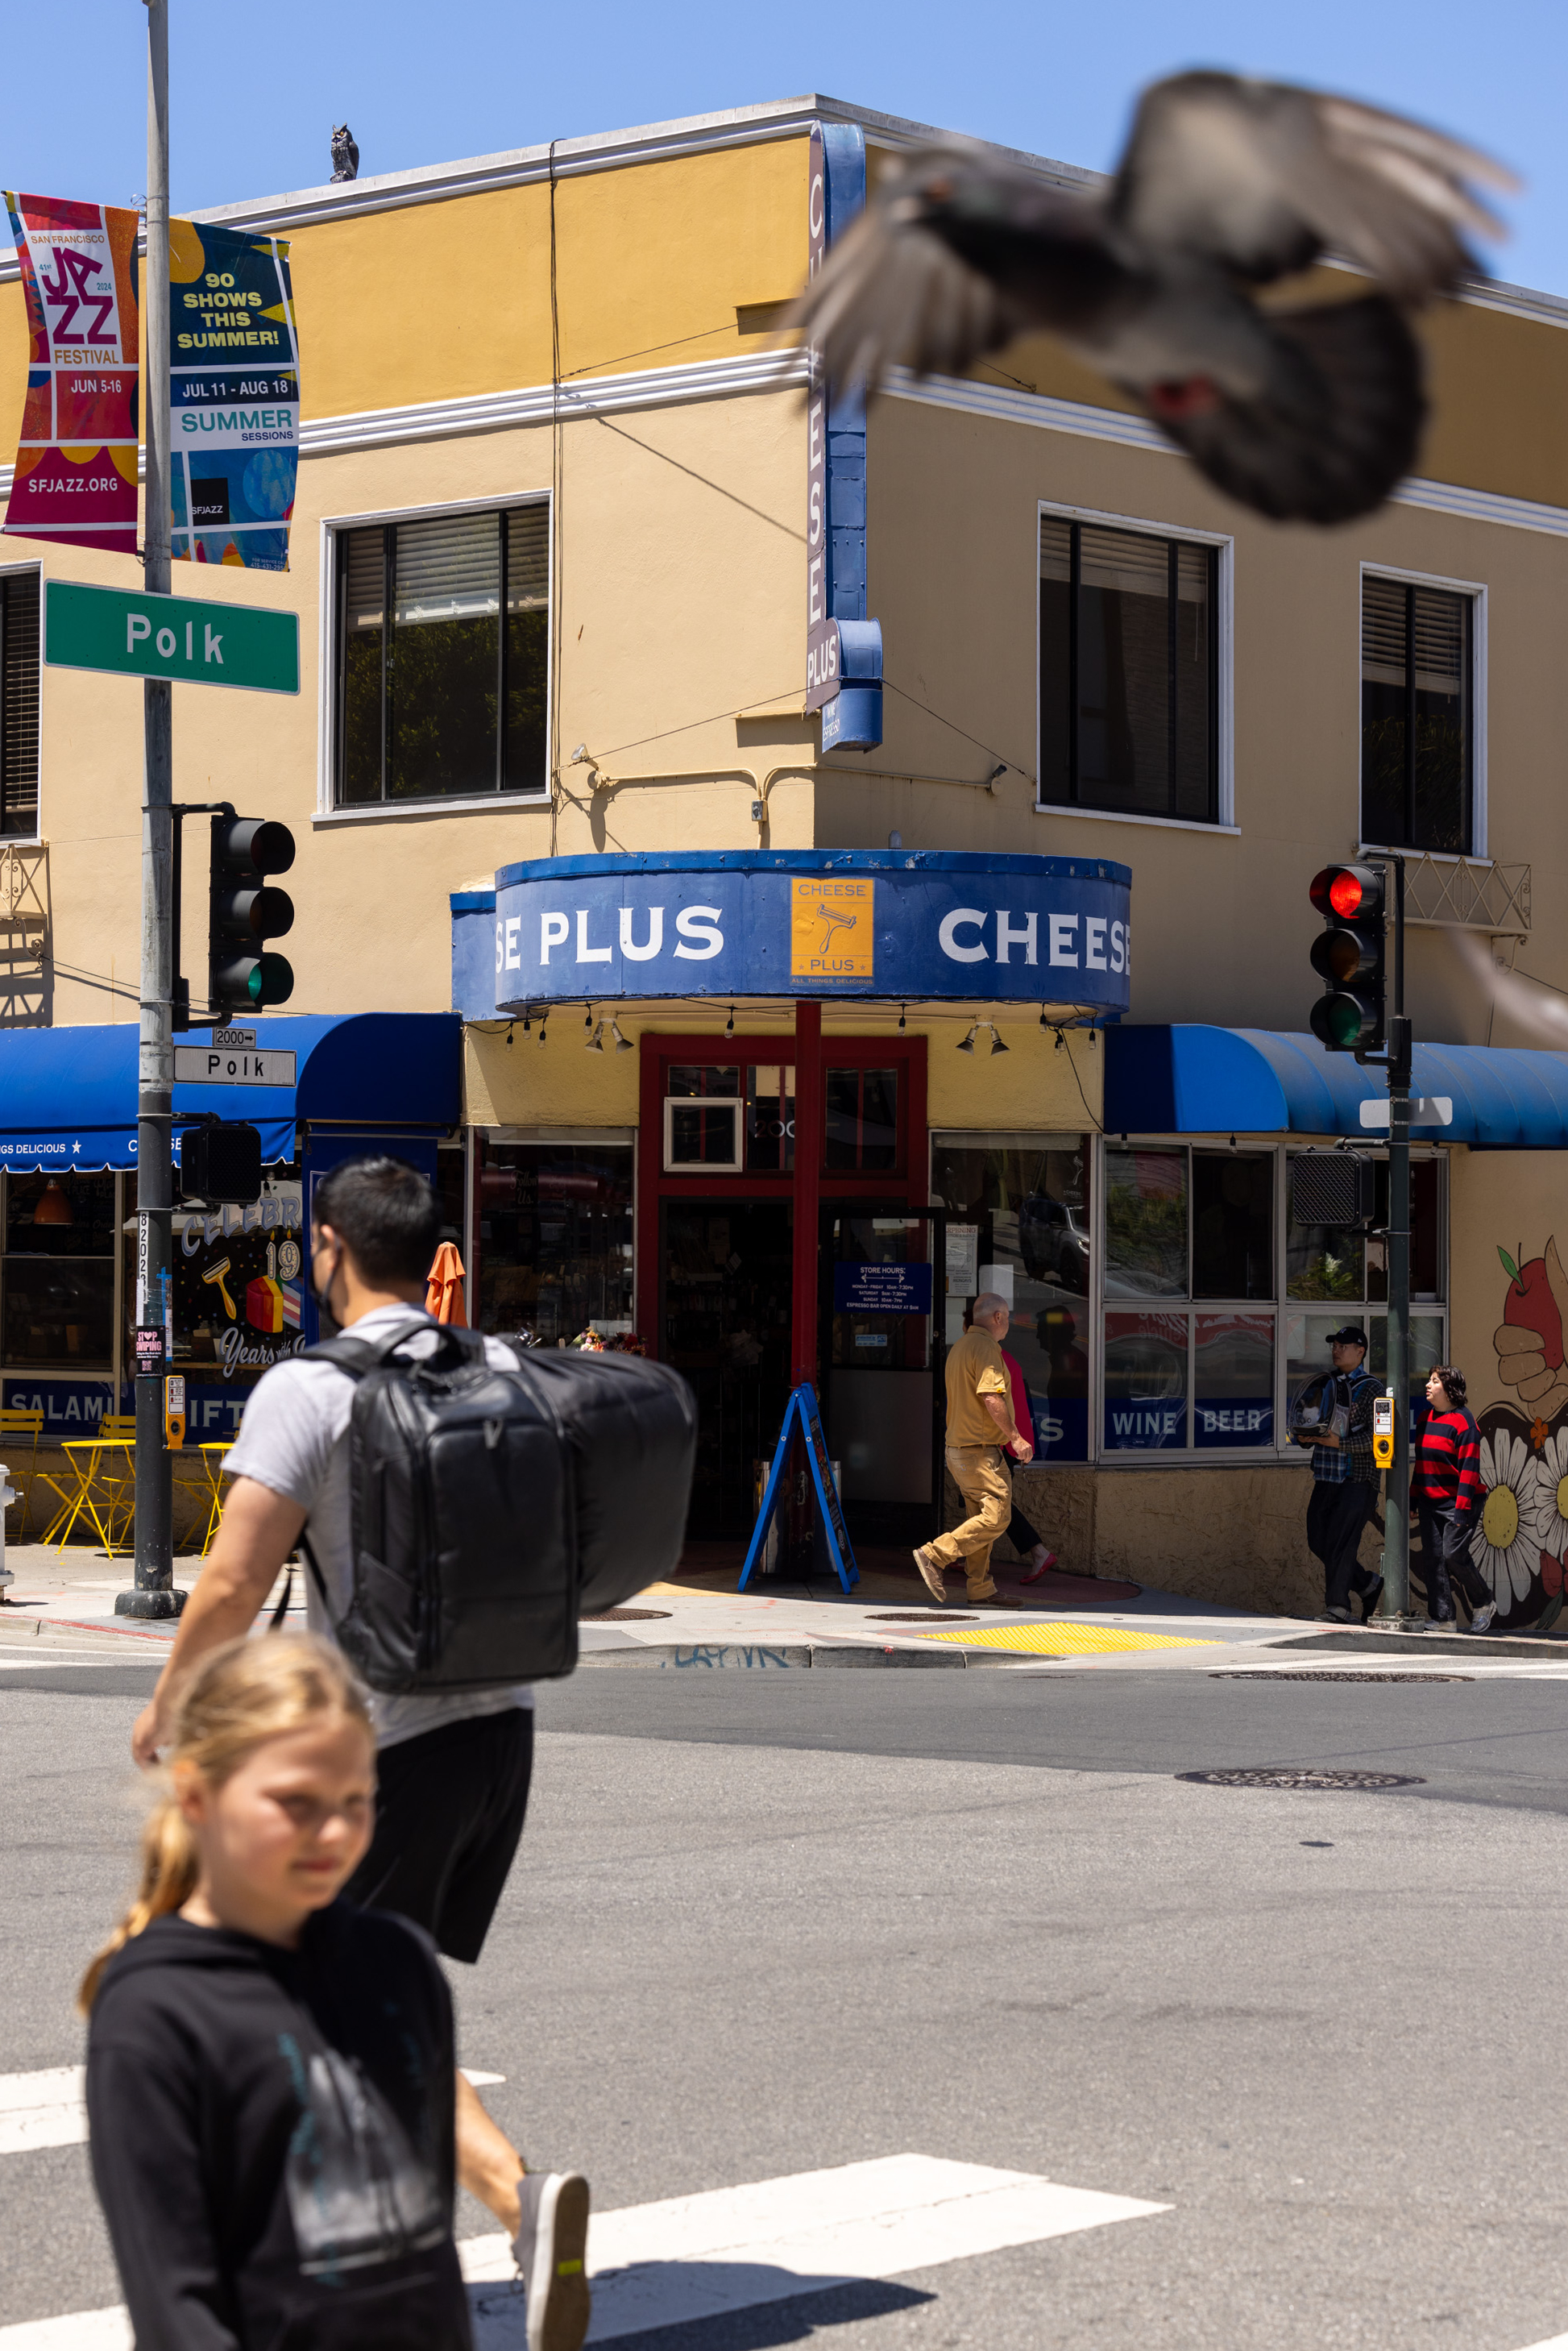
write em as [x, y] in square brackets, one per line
[830, 931]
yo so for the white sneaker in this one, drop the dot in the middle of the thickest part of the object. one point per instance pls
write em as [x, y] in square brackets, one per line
[551, 2251]
[1480, 1622]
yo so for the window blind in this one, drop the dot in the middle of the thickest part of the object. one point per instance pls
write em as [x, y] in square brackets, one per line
[448, 569]
[364, 582]
[527, 558]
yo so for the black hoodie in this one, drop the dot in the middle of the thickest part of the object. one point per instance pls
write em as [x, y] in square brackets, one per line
[272, 2137]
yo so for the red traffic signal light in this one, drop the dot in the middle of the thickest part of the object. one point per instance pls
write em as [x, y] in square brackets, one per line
[1348, 954]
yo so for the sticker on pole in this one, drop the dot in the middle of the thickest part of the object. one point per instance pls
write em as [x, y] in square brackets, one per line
[130, 632]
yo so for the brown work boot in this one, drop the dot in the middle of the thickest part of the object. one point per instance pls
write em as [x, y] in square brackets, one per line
[931, 1575]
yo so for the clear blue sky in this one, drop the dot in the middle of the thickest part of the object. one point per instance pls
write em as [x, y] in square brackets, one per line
[256, 87]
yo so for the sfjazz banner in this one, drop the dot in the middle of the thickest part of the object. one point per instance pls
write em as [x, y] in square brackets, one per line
[789, 923]
[233, 396]
[76, 461]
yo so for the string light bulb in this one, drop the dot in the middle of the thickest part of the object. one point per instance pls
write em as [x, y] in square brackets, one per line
[730, 1023]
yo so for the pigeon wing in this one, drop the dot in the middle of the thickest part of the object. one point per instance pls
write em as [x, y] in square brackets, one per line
[952, 258]
[1261, 178]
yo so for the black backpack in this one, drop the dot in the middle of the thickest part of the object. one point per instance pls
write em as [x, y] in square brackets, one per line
[493, 1507]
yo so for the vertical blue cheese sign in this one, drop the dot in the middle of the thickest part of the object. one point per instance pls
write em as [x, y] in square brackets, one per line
[233, 397]
[843, 648]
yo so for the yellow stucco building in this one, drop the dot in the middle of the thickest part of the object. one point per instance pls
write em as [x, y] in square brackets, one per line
[565, 514]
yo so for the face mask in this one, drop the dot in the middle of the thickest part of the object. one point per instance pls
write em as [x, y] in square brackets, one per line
[320, 1296]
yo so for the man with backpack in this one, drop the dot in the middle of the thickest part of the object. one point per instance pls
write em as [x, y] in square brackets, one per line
[1449, 1495]
[452, 1766]
[1344, 1482]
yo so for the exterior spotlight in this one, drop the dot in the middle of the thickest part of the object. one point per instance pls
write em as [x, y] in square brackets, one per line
[967, 1045]
[622, 1044]
[596, 1043]
[996, 1044]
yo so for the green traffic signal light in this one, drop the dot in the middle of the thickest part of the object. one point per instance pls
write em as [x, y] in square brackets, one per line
[244, 911]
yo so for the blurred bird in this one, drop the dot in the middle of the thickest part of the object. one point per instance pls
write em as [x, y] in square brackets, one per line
[1310, 413]
[345, 154]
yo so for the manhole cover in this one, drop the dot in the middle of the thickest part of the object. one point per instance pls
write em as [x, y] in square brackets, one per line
[1282, 1777]
[918, 1616]
[622, 1615]
[1326, 1673]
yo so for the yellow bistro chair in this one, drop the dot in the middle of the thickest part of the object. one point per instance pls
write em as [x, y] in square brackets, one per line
[19, 1428]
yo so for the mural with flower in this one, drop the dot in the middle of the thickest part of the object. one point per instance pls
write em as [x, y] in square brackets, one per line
[1521, 1538]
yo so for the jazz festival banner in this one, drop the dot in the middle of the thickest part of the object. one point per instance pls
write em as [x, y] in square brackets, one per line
[233, 396]
[76, 461]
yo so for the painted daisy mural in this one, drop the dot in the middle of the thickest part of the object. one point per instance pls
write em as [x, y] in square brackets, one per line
[1507, 1543]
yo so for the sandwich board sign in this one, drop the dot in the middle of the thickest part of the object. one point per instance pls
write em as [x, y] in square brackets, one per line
[802, 1413]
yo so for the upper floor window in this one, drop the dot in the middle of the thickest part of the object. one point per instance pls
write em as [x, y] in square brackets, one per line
[19, 702]
[1417, 657]
[442, 657]
[1128, 671]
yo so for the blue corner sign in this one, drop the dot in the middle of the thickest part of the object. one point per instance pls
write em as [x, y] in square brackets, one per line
[843, 648]
[803, 1417]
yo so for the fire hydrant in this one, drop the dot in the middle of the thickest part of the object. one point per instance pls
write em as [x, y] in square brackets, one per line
[8, 1496]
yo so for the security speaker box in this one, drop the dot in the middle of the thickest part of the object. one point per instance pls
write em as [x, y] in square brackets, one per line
[1333, 1188]
[220, 1163]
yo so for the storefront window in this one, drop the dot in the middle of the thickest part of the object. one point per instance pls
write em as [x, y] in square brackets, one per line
[239, 1284]
[1018, 1217]
[1233, 1224]
[1233, 1380]
[770, 1119]
[862, 1120]
[554, 1241]
[1146, 1224]
[1146, 1382]
[57, 1274]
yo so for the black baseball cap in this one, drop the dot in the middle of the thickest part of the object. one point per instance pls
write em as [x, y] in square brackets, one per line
[1353, 1335]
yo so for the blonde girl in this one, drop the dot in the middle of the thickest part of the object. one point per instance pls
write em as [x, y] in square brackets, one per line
[270, 2072]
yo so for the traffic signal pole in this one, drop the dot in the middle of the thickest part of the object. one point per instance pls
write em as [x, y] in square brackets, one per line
[1395, 1599]
[153, 1593]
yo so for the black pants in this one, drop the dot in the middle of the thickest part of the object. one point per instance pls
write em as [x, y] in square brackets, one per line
[449, 1815]
[1020, 1533]
[1446, 1561]
[1335, 1516]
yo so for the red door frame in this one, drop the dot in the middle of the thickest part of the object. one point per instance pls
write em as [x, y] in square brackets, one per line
[810, 1056]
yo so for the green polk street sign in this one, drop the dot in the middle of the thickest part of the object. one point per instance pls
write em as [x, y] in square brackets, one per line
[134, 634]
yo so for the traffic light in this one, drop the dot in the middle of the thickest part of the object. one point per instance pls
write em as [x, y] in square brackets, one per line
[221, 1162]
[1348, 954]
[244, 911]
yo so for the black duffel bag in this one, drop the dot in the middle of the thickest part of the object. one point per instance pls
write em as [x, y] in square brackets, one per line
[493, 1506]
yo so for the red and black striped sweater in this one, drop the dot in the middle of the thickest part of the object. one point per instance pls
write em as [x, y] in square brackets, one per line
[1447, 1463]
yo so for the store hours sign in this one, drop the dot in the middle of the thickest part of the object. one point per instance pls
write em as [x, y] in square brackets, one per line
[793, 922]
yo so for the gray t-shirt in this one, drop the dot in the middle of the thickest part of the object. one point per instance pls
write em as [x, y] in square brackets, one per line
[295, 1440]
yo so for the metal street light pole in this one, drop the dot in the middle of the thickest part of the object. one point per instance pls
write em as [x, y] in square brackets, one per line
[153, 1593]
[1395, 1596]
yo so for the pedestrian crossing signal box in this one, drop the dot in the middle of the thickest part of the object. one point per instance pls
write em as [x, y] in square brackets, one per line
[174, 1411]
[1383, 1430]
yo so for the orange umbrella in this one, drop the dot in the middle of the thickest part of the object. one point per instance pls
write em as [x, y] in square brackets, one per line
[444, 1286]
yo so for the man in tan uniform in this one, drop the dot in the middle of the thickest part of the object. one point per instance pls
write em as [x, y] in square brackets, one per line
[980, 1423]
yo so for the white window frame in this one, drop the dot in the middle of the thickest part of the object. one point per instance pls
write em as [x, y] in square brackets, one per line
[734, 1103]
[1224, 696]
[331, 528]
[32, 839]
[1282, 1454]
[1475, 589]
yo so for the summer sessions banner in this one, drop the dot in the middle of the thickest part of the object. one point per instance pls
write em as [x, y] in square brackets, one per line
[233, 396]
[76, 461]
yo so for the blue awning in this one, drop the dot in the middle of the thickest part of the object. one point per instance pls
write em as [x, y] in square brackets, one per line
[1188, 1080]
[68, 1096]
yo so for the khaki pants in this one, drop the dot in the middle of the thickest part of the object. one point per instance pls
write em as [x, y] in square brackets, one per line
[978, 1474]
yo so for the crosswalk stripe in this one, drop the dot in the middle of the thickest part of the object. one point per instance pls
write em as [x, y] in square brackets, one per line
[690, 2257]
[41, 2109]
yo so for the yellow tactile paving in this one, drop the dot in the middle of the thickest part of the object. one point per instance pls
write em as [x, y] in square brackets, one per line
[1061, 1640]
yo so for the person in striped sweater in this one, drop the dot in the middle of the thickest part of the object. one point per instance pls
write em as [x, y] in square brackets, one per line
[1449, 1495]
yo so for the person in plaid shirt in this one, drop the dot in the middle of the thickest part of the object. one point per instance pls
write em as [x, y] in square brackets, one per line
[1345, 1485]
[1449, 1495]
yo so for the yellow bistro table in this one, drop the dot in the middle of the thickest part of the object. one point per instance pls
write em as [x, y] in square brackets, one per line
[104, 1468]
[209, 1487]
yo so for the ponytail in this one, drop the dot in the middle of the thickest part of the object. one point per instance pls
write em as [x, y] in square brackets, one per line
[239, 1697]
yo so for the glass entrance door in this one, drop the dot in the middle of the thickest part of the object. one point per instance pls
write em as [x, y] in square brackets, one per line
[880, 1323]
[725, 1322]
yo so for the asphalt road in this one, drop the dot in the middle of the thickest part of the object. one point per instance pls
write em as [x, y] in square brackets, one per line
[765, 1924]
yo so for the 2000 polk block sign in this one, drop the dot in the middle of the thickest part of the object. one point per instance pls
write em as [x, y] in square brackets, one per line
[131, 633]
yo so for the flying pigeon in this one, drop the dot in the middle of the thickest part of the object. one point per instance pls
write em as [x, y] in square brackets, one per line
[345, 154]
[1306, 413]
